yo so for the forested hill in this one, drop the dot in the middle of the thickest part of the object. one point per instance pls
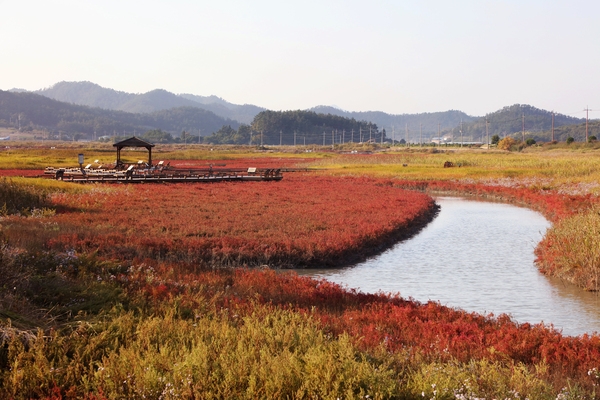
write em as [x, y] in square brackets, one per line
[33, 111]
[93, 95]
[299, 127]
[509, 121]
[427, 123]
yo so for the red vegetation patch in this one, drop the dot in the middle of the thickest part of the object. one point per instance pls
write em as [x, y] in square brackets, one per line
[303, 220]
[20, 172]
[259, 162]
[550, 203]
[374, 320]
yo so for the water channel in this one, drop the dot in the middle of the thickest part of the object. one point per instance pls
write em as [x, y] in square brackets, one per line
[477, 256]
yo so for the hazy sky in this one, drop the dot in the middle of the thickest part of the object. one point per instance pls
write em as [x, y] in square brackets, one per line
[394, 56]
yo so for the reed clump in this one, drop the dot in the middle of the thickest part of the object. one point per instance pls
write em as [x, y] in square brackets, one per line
[21, 199]
[570, 250]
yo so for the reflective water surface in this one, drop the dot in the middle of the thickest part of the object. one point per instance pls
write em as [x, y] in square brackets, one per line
[476, 256]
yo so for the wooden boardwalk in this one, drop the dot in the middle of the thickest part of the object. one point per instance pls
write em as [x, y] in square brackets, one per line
[171, 175]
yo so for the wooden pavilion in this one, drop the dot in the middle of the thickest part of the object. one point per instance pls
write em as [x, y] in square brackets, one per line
[132, 142]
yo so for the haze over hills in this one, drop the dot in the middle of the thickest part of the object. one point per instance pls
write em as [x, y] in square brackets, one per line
[244, 113]
[28, 111]
[93, 95]
[428, 123]
[110, 112]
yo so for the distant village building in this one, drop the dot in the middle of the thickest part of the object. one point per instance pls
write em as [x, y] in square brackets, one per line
[446, 139]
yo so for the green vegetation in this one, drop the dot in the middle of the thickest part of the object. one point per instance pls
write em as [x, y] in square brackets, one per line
[299, 127]
[228, 135]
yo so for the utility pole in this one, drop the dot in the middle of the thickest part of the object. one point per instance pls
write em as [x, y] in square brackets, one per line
[343, 136]
[360, 134]
[370, 134]
[553, 126]
[487, 134]
[393, 135]
[280, 138]
[440, 133]
[406, 129]
[421, 135]
[461, 134]
[294, 138]
[523, 127]
[587, 110]
[352, 137]
[323, 138]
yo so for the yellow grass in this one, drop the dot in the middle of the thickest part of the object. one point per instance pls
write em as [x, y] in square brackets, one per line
[38, 155]
[552, 169]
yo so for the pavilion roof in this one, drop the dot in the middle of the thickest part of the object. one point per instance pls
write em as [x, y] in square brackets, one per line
[133, 142]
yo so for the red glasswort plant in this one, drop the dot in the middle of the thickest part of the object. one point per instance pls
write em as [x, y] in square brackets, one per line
[304, 220]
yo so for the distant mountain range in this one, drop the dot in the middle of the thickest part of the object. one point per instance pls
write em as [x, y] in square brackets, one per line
[91, 109]
[28, 111]
[398, 124]
[93, 95]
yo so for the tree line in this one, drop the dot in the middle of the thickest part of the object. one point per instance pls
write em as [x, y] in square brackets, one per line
[298, 128]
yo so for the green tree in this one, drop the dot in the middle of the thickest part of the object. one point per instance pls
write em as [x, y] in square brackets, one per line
[228, 135]
[186, 137]
[495, 139]
[158, 136]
